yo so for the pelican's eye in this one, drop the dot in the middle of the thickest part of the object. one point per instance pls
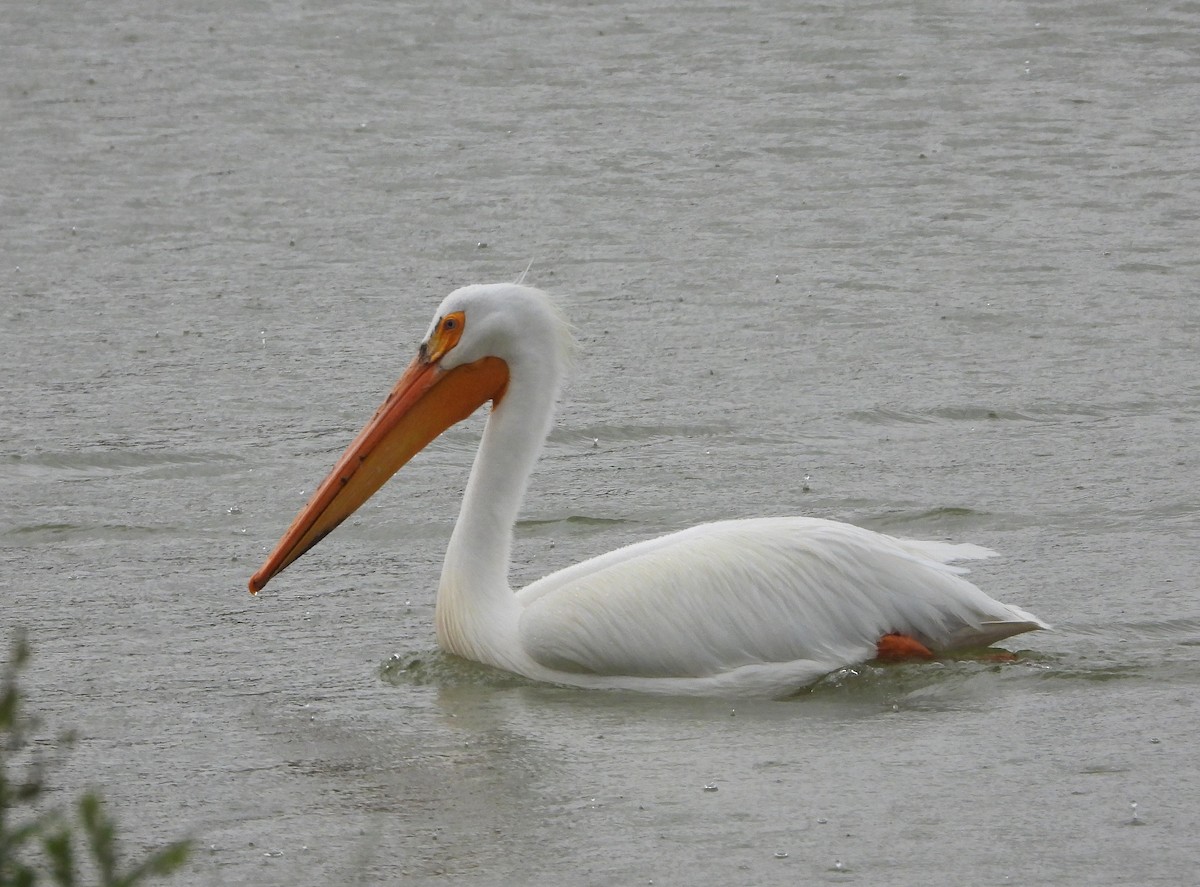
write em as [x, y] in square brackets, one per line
[446, 334]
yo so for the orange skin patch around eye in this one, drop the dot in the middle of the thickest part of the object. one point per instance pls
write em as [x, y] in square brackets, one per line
[445, 335]
[900, 648]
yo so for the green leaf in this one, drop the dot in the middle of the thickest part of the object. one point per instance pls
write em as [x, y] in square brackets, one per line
[21, 825]
[101, 839]
[61, 855]
[161, 862]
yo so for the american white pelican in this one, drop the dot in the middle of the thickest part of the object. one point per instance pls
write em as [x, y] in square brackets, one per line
[761, 606]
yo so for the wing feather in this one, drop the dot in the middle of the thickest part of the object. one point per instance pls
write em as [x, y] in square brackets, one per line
[727, 595]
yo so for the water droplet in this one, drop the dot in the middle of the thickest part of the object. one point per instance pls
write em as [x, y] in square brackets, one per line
[822, 821]
[710, 786]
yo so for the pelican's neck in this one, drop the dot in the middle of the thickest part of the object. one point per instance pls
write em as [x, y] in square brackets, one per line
[476, 611]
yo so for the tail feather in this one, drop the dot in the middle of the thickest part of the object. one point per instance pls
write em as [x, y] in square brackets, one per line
[949, 552]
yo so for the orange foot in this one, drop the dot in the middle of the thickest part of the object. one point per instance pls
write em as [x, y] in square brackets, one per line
[896, 647]
[1000, 656]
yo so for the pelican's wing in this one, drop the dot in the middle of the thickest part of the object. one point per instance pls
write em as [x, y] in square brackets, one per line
[727, 595]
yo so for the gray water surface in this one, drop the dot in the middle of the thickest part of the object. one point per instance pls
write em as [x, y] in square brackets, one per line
[930, 268]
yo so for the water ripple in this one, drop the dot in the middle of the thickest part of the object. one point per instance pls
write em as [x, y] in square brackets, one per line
[436, 668]
[108, 462]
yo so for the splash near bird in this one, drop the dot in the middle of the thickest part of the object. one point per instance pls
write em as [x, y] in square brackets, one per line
[741, 607]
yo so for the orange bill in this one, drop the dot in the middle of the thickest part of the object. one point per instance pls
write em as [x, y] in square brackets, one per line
[425, 402]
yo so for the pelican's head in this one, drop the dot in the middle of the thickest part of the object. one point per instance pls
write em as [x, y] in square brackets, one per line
[480, 338]
[518, 325]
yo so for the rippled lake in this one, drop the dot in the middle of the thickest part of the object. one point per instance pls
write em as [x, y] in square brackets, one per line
[930, 268]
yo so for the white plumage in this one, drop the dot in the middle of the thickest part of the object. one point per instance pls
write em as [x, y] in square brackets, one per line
[762, 606]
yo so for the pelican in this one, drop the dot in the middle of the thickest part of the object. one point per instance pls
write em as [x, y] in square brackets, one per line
[760, 607]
